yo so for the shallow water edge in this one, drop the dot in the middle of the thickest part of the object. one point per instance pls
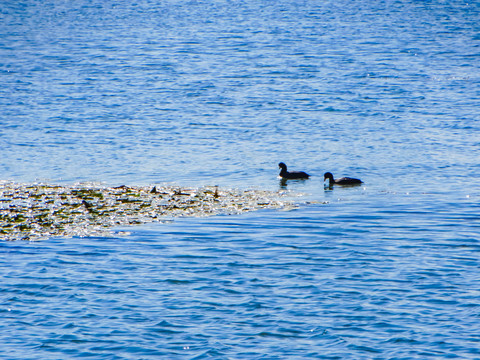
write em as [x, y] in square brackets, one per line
[37, 211]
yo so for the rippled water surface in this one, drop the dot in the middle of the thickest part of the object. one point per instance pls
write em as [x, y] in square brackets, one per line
[192, 93]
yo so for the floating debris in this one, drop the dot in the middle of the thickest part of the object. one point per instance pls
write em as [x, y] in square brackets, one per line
[39, 211]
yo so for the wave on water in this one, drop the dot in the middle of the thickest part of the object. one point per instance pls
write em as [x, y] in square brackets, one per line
[36, 211]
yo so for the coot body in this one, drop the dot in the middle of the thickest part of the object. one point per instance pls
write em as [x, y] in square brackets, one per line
[291, 174]
[341, 181]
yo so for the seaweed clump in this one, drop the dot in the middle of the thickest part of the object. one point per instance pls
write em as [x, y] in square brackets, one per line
[36, 211]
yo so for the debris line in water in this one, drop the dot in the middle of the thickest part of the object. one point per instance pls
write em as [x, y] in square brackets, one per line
[38, 211]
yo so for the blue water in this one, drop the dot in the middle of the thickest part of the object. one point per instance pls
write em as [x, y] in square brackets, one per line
[217, 93]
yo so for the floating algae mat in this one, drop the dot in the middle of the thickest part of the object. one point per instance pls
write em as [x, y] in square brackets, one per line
[36, 211]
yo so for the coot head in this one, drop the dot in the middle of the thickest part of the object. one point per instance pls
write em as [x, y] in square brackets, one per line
[282, 166]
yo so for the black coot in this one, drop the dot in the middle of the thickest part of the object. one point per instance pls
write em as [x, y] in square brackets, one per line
[291, 174]
[341, 181]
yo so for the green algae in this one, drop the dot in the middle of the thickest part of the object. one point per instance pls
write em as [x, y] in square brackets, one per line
[36, 211]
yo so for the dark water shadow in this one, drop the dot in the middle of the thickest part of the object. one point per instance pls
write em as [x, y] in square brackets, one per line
[284, 182]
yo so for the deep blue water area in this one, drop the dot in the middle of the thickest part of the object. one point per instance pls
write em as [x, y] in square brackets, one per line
[201, 93]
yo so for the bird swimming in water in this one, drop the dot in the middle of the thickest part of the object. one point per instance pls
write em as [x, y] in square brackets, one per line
[291, 174]
[341, 181]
